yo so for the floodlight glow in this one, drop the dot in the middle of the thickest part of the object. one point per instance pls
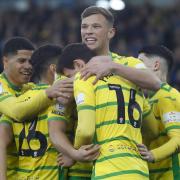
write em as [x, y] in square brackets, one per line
[102, 3]
[117, 5]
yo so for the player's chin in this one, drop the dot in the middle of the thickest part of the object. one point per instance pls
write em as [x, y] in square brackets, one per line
[25, 80]
[92, 46]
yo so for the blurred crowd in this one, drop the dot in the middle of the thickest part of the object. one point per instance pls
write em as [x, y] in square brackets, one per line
[136, 27]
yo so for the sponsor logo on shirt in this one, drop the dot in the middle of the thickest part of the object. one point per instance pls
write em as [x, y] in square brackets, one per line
[59, 109]
[171, 117]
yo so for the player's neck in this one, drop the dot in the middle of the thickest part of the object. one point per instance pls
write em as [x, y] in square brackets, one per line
[45, 81]
[104, 51]
[162, 76]
[12, 80]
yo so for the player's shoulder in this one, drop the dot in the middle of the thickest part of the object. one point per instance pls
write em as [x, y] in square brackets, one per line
[40, 86]
[128, 61]
[60, 77]
[78, 79]
[167, 91]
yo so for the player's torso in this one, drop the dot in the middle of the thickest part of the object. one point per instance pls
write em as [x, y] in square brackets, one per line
[37, 156]
[119, 108]
[164, 169]
[7, 89]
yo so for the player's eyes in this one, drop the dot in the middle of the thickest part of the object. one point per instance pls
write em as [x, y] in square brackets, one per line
[84, 27]
[96, 26]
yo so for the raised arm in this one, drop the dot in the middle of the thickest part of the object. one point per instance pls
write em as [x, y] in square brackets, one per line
[103, 65]
[28, 104]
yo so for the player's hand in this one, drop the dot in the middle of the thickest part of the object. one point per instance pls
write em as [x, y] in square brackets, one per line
[100, 66]
[66, 99]
[61, 89]
[64, 161]
[87, 153]
[145, 153]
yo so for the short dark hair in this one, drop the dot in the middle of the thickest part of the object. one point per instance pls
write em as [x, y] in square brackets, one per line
[72, 52]
[14, 44]
[161, 51]
[43, 57]
[98, 10]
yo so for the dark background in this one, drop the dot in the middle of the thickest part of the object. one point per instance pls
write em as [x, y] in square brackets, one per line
[141, 22]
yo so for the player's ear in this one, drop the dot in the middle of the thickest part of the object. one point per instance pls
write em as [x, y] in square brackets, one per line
[5, 62]
[52, 68]
[156, 65]
[111, 33]
[78, 64]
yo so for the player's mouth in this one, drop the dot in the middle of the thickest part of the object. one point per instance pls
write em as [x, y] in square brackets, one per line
[26, 73]
[90, 40]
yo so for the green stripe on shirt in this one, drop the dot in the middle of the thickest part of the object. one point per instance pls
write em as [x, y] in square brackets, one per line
[118, 156]
[106, 176]
[175, 167]
[116, 138]
[36, 169]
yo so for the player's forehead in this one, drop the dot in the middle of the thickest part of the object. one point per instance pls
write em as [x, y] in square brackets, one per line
[25, 54]
[94, 19]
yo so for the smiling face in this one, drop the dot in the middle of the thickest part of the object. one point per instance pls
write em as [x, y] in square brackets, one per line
[18, 68]
[96, 33]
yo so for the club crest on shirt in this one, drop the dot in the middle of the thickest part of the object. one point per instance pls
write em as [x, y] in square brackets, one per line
[171, 117]
[80, 98]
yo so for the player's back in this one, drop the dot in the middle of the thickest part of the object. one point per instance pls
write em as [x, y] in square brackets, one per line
[118, 106]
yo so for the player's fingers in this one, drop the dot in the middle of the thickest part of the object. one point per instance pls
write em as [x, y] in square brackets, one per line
[83, 72]
[142, 149]
[144, 153]
[92, 157]
[88, 74]
[87, 147]
[94, 149]
[141, 146]
[65, 85]
[65, 90]
[145, 158]
[96, 156]
[97, 78]
[62, 95]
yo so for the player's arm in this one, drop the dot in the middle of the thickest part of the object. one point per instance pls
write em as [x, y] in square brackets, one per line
[6, 136]
[149, 123]
[32, 102]
[172, 146]
[171, 119]
[103, 65]
[57, 131]
[85, 101]
[85, 128]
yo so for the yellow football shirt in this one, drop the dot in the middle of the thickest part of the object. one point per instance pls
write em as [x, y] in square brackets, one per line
[166, 108]
[37, 156]
[7, 89]
[118, 106]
